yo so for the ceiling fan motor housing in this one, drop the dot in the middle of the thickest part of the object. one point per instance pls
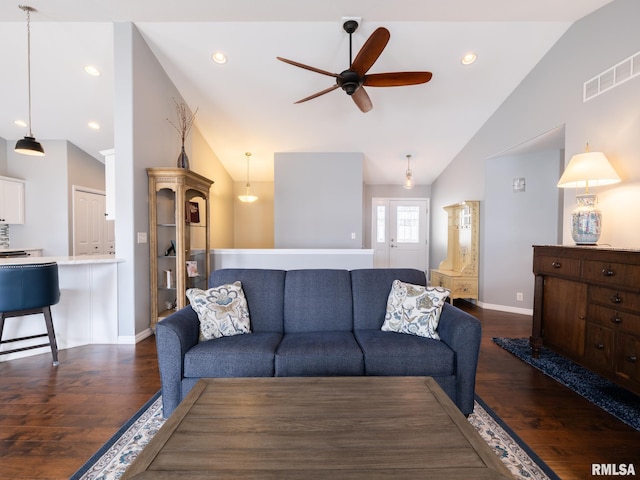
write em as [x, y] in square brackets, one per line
[349, 81]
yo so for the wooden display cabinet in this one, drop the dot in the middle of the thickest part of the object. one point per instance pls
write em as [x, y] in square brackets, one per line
[179, 237]
[459, 271]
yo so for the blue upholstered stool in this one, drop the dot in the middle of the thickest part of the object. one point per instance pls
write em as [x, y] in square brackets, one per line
[27, 290]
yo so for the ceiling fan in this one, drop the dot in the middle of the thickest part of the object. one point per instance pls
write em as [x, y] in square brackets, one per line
[355, 77]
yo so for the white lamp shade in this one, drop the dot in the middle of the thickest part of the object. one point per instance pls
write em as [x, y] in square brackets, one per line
[589, 169]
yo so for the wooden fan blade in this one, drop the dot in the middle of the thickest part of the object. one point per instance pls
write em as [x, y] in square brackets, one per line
[362, 100]
[311, 97]
[370, 51]
[307, 67]
[396, 79]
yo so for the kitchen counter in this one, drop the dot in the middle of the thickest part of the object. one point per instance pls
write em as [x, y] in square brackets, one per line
[78, 260]
[88, 309]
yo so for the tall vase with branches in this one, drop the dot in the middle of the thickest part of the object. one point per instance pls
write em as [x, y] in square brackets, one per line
[183, 127]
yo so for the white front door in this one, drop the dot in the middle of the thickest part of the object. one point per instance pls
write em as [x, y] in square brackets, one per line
[400, 232]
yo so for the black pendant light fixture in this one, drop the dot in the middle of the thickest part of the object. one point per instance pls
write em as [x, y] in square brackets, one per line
[29, 145]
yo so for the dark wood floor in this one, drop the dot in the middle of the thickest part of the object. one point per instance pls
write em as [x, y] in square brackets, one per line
[53, 419]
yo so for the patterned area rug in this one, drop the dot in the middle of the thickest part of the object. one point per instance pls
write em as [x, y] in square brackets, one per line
[617, 401]
[111, 461]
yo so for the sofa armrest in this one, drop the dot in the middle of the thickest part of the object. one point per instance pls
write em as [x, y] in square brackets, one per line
[462, 332]
[175, 335]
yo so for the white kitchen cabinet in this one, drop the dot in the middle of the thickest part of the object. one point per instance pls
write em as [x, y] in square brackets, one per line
[11, 200]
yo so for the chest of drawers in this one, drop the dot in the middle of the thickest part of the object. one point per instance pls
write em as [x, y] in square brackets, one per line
[587, 307]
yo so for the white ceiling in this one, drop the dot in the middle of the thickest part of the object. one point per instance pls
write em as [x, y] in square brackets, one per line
[247, 104]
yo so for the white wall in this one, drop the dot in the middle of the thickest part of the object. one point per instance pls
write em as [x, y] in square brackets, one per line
[549, 97]
[3, 156]
[318, 200]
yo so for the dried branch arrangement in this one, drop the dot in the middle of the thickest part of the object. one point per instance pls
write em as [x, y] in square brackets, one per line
[185, 121]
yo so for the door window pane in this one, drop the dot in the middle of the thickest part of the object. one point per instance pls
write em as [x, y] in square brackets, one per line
[380, 226]
[408, 224]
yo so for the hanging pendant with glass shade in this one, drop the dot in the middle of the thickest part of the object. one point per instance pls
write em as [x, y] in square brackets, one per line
[408, 175]
[247, 197]
[29, 145]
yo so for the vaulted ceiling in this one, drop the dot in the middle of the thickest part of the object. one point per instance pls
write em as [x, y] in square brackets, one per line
[247, 104]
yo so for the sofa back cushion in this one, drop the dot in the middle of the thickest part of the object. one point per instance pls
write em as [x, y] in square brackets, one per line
[371, 289]
[264, 291]
[317, 300]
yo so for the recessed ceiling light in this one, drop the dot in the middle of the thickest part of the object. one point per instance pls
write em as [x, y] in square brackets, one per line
[94, 125]
[219, 57]
[468, 58]
[92, 70]
[20, 123]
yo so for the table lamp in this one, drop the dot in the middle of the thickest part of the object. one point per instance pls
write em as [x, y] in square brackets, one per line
[588, 169]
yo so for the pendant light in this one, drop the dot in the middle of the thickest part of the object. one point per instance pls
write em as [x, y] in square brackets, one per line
[408, 176]
[247, 197]
[29, 145]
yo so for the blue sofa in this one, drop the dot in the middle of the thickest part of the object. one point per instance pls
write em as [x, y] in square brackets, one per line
[318, 323]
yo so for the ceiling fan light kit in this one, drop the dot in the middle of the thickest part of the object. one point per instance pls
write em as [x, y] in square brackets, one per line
[355, 78]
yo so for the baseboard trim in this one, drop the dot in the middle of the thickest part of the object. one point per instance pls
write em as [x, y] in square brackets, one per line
[129, 340]
[505, 308]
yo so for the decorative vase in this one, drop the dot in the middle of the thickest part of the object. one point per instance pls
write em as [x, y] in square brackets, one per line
[183, 160]
[586, 221]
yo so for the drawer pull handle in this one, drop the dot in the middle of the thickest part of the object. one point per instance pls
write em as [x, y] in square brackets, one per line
[607, 272]
[617, 320]
[616, 298]
[632, 358]
[556, 265]
[600, 346]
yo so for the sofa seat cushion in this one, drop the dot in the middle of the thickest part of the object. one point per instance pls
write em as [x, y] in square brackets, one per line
[329, 353]
[250, 355]
[390, 353]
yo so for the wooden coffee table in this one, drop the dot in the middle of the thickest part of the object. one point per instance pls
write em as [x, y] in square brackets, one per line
[340, 428]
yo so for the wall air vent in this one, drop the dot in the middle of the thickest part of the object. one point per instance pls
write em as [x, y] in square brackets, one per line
[612, 77]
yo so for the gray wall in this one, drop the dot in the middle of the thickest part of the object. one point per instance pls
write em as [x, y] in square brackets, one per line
[515, 221]
[48, 184]
[47, 209]
[317, 200]
[143, 138]
[548, 98]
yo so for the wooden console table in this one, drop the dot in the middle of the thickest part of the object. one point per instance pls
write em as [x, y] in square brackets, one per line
[316, 428]
[587, 307]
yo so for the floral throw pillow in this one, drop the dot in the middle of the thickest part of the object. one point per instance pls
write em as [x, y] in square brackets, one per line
[414, 309]
[222, 311]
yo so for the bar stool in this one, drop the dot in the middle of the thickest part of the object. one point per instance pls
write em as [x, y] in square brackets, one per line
[26, 290]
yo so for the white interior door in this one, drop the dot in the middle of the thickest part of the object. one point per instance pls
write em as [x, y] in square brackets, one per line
[400, 232]
[92, 233]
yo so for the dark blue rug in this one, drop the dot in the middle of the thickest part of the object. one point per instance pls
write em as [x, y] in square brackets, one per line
[617, 401]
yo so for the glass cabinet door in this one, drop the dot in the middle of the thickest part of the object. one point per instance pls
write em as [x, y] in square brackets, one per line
[166, 253]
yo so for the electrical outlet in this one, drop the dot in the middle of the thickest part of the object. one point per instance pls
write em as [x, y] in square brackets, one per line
[142, 237]
[519, 297]
[353, 235]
